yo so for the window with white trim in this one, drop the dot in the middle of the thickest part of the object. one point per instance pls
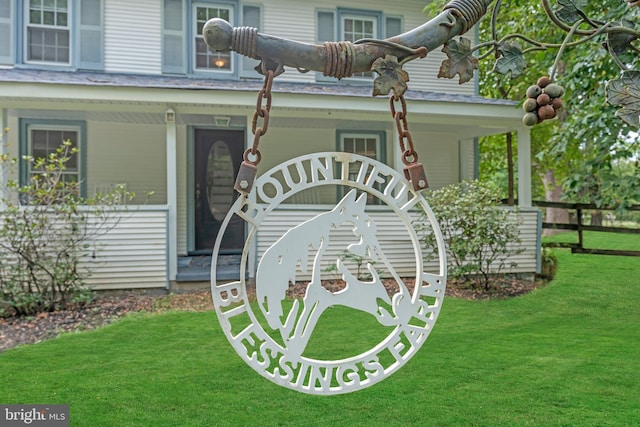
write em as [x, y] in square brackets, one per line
[353, 25]
[43, 141]
[41, 137]
[47, 31]
[365, 144]
[355, 28]
[184, 50]
[61, 34]
[205, 58]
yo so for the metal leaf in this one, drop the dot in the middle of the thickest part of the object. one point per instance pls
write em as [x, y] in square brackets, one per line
[620, 42]
[461, 60]
[626, 92]
[391, 76]
[571, 10]
[511, 60]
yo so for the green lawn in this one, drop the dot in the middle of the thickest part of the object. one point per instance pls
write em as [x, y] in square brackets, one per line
[564, 355]
[598, 240]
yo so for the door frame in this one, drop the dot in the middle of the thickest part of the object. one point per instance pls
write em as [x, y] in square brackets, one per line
[191, 185]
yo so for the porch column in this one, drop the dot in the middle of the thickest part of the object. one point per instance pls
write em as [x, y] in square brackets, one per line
[4, 123]
[524, 167]
[397, 152]
[468, 159]
[172, 193]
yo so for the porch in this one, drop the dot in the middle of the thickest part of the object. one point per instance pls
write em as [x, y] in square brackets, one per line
[197, 268]
[144, 132]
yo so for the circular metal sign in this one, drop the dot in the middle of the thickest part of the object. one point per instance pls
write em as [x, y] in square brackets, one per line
[274, 333]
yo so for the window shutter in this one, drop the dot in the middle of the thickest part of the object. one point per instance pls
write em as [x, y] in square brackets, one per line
[6, 32]
[173, 43]
[251, 17]
[393, 26]
[326, 31]
[91, 35]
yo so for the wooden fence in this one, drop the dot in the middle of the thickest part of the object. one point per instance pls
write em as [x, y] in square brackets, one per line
[581, 227]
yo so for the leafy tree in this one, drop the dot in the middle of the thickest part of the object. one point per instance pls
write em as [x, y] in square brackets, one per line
[588, 150]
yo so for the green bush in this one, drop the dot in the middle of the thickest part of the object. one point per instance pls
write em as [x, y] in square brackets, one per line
[549, 264]
[46, 228]
[480, 236]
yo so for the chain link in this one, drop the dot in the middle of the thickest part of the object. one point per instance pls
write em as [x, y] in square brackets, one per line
[263, 109]
[409, 154]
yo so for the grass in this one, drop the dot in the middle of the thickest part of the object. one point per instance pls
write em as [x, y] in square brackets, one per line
[599, 240]
[564, 355]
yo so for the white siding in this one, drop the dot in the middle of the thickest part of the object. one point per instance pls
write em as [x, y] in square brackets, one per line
[128, 250]
[288, 143]
[439, 153]
[529, 260]
[133, 36]
[295, 20]
[128, 153]
[394, 240]
[133, 254]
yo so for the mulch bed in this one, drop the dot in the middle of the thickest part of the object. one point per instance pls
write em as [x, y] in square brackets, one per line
[16, 331]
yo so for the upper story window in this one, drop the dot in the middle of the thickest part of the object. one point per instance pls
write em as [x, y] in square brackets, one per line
[206, 58]
[184, 50]
[353, 25]
[47, 31]
[356, 27]
[52, 33]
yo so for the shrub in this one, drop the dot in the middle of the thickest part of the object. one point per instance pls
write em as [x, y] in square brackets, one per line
[46, 228]
[549, 264]
[479, 235]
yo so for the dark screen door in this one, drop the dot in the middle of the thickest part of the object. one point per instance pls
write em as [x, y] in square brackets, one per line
[218, 154]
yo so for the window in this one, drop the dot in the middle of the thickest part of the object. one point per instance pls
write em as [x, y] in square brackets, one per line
[42, 142]
[6, 32]
[367, 144]
[39, 138]
[355, 28]
[352, 25]
[184, 50]
[47, 31]
[204, 57]
[52, 33]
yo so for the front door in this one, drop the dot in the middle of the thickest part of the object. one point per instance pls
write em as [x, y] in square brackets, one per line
[218, 154]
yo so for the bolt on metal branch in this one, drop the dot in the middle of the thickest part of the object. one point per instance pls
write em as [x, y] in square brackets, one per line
[342, 59]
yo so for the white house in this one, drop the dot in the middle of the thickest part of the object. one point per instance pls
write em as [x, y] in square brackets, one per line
[133, 85]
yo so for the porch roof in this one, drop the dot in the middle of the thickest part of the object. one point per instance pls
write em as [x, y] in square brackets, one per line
[98, 79]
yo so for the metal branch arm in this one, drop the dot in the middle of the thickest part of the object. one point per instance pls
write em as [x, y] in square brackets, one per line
[342, 59]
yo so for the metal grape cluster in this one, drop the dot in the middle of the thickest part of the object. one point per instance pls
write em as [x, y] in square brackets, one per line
[543, 101]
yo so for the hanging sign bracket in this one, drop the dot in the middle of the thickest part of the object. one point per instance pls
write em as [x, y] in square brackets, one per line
[343, 59]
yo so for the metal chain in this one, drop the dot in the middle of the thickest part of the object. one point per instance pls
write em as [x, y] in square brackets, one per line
[413, 170]
[259, 126]
[409, 154]
[263, 109]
